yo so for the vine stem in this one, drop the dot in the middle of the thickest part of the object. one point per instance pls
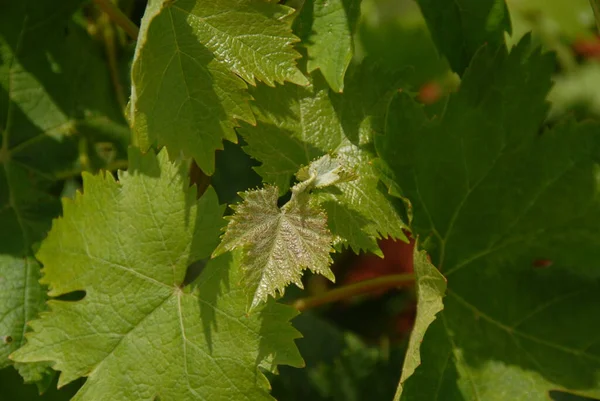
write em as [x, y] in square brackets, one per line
[352, 290]
[596, 7]
[118, 17]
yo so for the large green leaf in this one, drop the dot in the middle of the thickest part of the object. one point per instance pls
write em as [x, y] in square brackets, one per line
[327, 28]
[513, 221]
[141, 331]
[54, 84]
[296, 125]
[185, 92]
[460, 27]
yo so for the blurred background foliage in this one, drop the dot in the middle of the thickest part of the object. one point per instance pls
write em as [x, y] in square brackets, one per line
[353, 349]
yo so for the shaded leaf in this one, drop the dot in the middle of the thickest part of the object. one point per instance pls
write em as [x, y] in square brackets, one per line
[511, 218]
[296, 125]
[327, 28]
[460, 27]
[185, 92]
[54, 89]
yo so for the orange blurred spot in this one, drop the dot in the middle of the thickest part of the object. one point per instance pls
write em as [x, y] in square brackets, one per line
[430, 93]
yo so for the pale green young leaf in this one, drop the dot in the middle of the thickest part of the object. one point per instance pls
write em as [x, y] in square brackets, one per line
[324, 172]
[54, 88]
[431, 288]
[511, 216]
[191, 61]
[278, 243]
[297, 125]
[141, 332]
[327, 28]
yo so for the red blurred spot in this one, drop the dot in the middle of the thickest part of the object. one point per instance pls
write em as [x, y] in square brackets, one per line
[588, 47]
[542, 263]
[398, 258]
[430, 92]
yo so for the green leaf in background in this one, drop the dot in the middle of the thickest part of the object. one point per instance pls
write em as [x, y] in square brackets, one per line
[141, 332]
[327, 28]
[185, 92]
[513, 221]
[340, 366]
[54, 89]
[395, 34]
[278, 242]
[431, 287]
[13, 389]
[571, 19]
[298, 124]
[460, 27]
[576, 88]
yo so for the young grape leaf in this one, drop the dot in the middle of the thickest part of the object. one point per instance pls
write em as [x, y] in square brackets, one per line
[296, 125]
[431, 287]
[140, 332]
[185, 92]
[460, 27]
[512, 218]
[324, 172]
[327, 28]
[279, 242]
[54, 84]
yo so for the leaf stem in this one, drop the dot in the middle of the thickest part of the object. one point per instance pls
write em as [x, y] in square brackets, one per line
[108, 35]
[352, 290]
[596, 8]
[118, 17]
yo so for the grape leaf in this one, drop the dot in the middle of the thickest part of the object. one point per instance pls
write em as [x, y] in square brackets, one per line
[140, 332]
[296, 125]
[512, 219]
[324, 172]
[460, 27]
[185, 93]
[279, 242]
[45, 61]
[431, 287]
[327, 28]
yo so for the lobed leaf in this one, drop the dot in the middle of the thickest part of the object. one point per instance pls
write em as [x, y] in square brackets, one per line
[279, 242]
[54, 91]
[511, 217]
[460, 27]
[297, 125]
[327, 28]
[141, 331]
[185, 91]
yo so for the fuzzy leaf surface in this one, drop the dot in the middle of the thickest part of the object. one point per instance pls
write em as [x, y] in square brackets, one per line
[54, 88]
[141, 332]
[327, 28]
[511, 217]
[296, 125]
[324, 172]
[460, 27]
[190, 65]
[278, 242]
